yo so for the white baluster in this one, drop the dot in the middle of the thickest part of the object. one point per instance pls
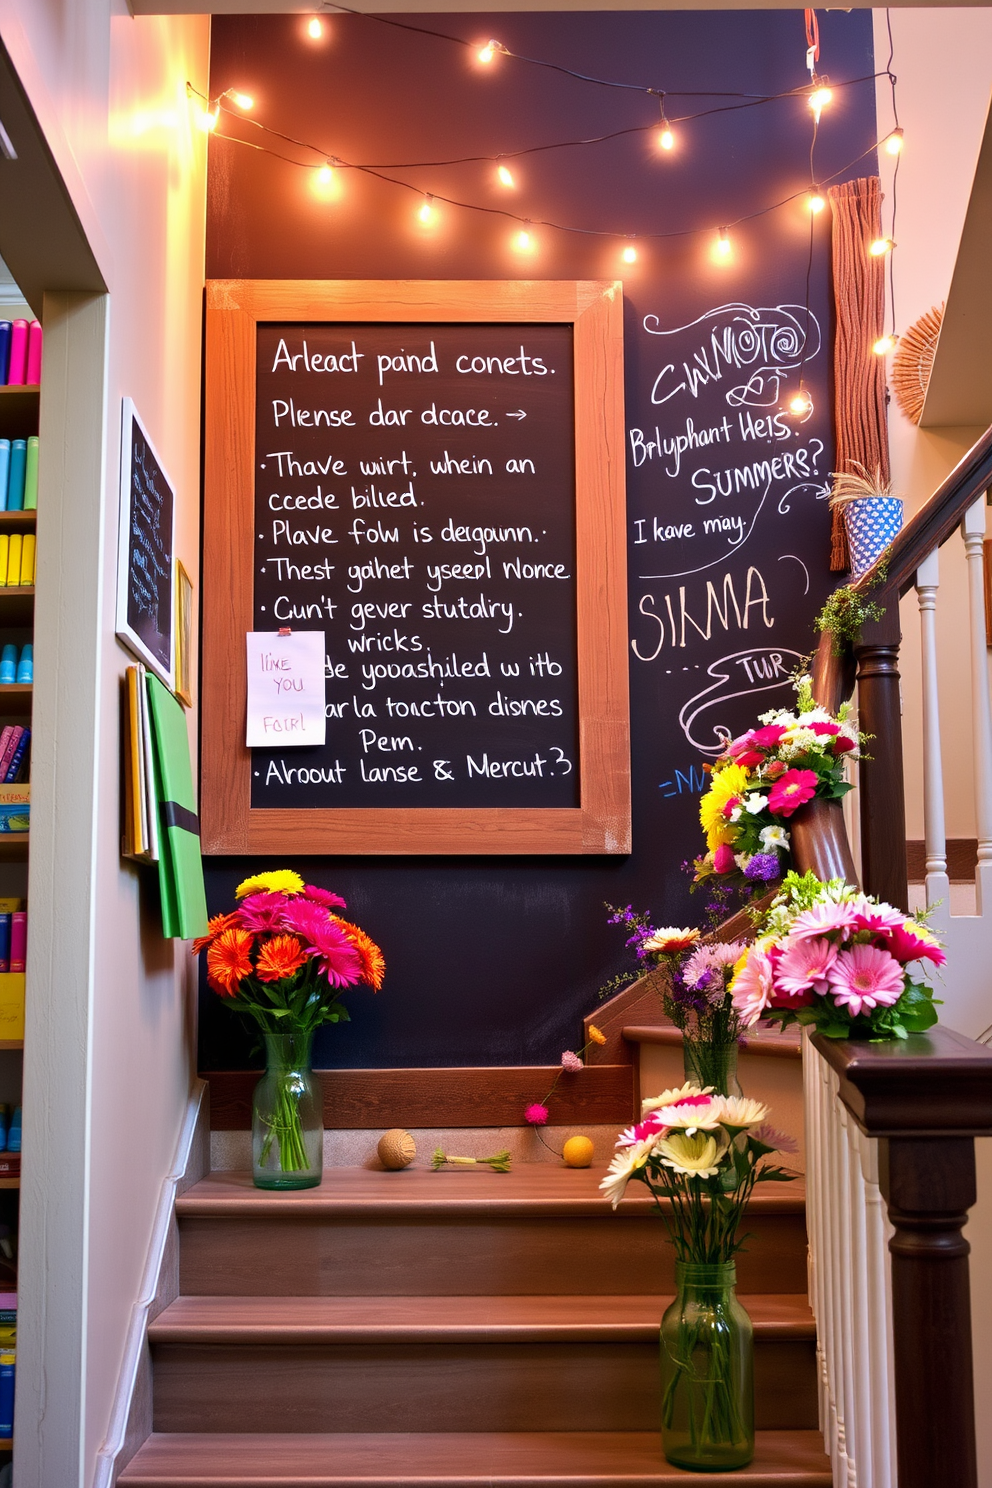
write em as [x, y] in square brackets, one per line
[938, 889]
[846, 1351]
[837, 1264]
[973, 532]
[879, 1360]
[860, 1324]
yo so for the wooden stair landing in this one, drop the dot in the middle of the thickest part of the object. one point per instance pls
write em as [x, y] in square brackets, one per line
[586, 1459]
[460, 1328]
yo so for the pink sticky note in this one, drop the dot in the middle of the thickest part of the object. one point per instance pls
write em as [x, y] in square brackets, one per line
[34, 353]
[18, 353]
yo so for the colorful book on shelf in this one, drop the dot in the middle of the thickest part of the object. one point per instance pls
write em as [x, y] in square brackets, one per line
[6, 327]
[4, 472]
[16, 474]
[13, 740]
[36, 339]
[31, 475]
[17, 366]
[17, 759]
[18, 941]
[10, 1164]
[4, 966]
[184, 902]
[139, 840]
[11, 1011]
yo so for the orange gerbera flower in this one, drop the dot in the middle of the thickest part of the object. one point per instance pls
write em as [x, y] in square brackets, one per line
[279, 957]
[372, 960]
[227, 961]
[215, 927]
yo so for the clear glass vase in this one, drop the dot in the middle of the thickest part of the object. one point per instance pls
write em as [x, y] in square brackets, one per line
[711, 1062]
[707, 1372]
[287, 1118]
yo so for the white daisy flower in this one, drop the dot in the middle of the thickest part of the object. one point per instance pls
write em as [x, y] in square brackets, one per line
[755, 802]
[773, 837]
[691, 1156]
[625, 1164]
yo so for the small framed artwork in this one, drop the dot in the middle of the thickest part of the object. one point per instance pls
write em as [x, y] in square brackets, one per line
[184, 636]
[146, 551]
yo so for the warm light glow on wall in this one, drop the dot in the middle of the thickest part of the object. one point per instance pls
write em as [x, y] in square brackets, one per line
[722, 248]
[893, 144]
[326, 182]
[505, 176]
[801, 404]
[818, 101]
[884, 345]
[880, 246]
[427, 212]
[815, 202]
[488, 52]
[315, 29]
[523, 241]
[243, 100]
[666, 139]
[206, 119]
[629, 254]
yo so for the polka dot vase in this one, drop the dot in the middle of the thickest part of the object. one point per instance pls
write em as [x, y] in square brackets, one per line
[872, 523]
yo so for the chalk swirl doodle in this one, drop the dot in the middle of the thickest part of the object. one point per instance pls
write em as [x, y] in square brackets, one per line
[766, 342]
[741, 674]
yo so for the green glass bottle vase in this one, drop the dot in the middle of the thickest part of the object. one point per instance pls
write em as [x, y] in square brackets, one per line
[707, 1372]
[287, 1122]
[711, 1062]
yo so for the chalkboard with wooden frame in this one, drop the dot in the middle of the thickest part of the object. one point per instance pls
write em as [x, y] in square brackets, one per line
[237, 815]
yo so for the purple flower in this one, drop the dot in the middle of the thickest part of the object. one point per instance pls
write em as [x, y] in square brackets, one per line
[763, 867]
[571, 1062]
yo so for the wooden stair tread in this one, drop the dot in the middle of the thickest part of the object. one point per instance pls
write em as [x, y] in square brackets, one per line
[531, 1189]
[762, 1039]
[498, 1319]
[783, 1459]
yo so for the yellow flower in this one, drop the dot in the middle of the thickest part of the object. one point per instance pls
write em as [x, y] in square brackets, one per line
[693, 1157]
[728, 783]
[279, 881]
[595, 1036]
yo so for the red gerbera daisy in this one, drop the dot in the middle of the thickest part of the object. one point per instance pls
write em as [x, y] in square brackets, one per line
[215, 927]
[280, 957]
[228, 962]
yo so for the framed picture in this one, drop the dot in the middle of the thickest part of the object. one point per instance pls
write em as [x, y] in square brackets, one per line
[184, 636]
[145, 551]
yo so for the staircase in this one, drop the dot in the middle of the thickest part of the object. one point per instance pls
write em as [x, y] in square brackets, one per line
[453, 1328]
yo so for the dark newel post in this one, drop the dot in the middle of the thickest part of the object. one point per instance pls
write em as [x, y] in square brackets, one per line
[925, 1098]
[883, 807]
[929, 1186]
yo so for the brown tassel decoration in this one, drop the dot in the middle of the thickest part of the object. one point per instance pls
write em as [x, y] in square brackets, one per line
[859, 375]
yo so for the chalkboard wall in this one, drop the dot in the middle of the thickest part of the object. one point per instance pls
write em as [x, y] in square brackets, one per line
[496, 960]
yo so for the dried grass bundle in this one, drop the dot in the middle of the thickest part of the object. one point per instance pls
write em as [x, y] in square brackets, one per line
[857, 484]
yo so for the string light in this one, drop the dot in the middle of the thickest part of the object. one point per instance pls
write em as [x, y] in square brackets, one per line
[880, 247]
[206, 119]
[523, 241]
[884, 344]
[629, 254]
[488, 52]
[505, 176]
[314, 28]
[666, 139]
[815, 201]
[427, 212]
[801, 402]
[893, 144]
[722, 247]
[326, 181]
[818, 100]
[243, 100]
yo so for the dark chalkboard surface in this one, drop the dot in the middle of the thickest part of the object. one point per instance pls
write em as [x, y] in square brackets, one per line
[415, 501]
[145, 591]
[434, 484]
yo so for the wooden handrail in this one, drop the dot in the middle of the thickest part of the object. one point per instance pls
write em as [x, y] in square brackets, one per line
[933, 524]
[925, 1099]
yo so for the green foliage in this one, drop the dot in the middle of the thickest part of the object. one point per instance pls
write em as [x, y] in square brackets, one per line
[844, 613]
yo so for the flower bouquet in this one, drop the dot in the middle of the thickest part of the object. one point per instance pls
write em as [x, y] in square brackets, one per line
[761, 779]
[283, 957]
[695, 995]
[830, 956]
[701, 1155]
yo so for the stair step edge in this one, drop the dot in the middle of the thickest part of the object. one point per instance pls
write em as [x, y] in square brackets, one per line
[783, 1459]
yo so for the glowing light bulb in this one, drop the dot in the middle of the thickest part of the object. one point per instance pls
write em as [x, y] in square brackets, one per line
[629, 254]
[523, 241]
[666, 139]
[815, 202]
[243, 100]
[722, 248]
[801, 403]
[325, 175]
[505, 176]
[884, 345]
[818, 101]
[314, 28]
[488, 52]
[206, 119]
[326, 182]
[427, 214]
[880, 246]
[894, 142]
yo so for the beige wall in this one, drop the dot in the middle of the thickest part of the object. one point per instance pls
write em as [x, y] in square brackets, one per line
[109, 91]
[943, 61]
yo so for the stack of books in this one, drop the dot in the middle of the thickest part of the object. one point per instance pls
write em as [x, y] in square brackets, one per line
[19, 474]
[20, 353]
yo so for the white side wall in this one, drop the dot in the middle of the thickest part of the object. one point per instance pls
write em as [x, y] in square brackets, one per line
[109, 91]
[943, 62]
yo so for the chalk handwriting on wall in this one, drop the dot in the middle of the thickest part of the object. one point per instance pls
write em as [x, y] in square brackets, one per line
[741, 674]
[765, 343]
[673, 617]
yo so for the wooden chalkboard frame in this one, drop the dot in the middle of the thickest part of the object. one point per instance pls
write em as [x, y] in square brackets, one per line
[601, 821]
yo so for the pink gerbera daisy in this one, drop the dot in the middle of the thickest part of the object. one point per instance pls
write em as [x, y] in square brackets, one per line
[880, 919]
[791, 791]
[723, 859]
[262, 913]
[324, 897]
[803, 967]
[651, 1126]
[822, 919]
[751, 988]
[823, 729]
[910, 942]
[865, 977]
[769, 736]
[336, 957]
